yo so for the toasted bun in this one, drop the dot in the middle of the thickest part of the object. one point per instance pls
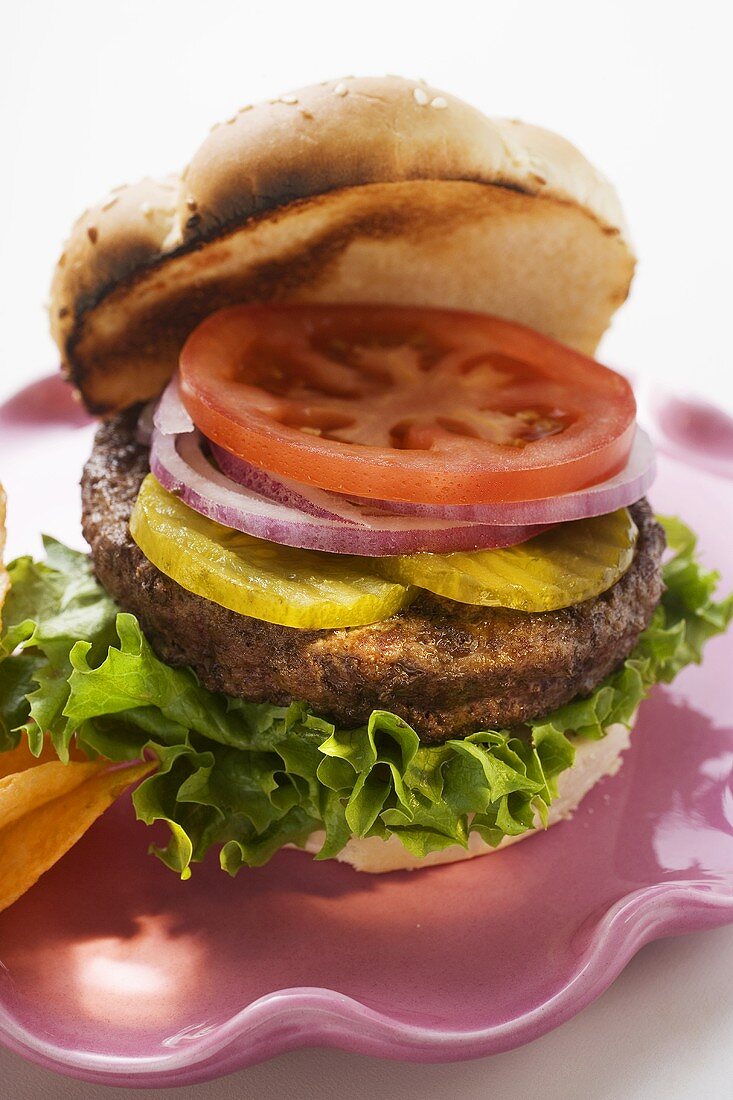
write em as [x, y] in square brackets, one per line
[369, 189]
[593, 761]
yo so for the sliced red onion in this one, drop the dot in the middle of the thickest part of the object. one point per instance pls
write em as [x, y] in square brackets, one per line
[181, 466]
[306, 498]
[618, 492]
[171, 416]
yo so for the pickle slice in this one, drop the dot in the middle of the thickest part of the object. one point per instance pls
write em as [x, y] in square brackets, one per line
[279, 584]
[563, 566]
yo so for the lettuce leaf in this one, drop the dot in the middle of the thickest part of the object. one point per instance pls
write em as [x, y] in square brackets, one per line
[246, 778]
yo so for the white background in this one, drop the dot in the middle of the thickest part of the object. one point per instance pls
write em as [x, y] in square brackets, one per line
[94, 94]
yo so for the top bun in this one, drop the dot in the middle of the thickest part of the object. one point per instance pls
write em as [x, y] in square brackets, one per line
[362, 189]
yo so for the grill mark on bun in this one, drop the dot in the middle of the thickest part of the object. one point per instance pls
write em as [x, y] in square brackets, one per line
[278, 161]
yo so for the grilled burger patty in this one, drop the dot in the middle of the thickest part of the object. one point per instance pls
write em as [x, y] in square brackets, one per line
[447, 668]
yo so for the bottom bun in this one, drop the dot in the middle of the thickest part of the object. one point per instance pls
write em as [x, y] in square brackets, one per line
[593, 761]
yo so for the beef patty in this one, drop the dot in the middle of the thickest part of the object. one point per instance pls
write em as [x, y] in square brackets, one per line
[447, 668]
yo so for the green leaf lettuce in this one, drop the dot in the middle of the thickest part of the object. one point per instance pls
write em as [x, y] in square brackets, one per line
[247, 778]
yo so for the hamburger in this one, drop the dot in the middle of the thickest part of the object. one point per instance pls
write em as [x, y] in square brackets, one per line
[372, 570]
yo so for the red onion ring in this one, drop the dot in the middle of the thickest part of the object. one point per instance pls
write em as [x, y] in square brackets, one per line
[171, 416]
[181, 466]
[306, 498]
[618, 492]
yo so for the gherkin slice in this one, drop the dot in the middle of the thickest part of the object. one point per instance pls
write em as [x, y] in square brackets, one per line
[279, 584]
[561, 567]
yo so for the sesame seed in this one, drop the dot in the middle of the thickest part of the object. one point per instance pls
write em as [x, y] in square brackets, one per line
[109, 203]
[289, 99]
[340, 89]
[146, 209]
[247, 107]
[92, 233]
[191, 204]
[439, 103]
[421, 97]
[231, 120]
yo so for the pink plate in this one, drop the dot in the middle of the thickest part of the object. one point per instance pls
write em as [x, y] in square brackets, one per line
[113, 970]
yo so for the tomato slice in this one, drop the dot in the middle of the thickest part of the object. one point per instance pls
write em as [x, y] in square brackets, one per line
[419, 405]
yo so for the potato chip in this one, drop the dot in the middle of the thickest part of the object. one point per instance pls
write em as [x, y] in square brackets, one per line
[45, 809]
[46, 806]
[21, 758]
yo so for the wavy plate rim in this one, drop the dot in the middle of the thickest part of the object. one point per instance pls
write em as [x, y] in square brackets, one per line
[291, 1018]
[325, 1017]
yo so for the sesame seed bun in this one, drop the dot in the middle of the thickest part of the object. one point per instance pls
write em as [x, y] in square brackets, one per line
[593, 761]
[376, 189]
